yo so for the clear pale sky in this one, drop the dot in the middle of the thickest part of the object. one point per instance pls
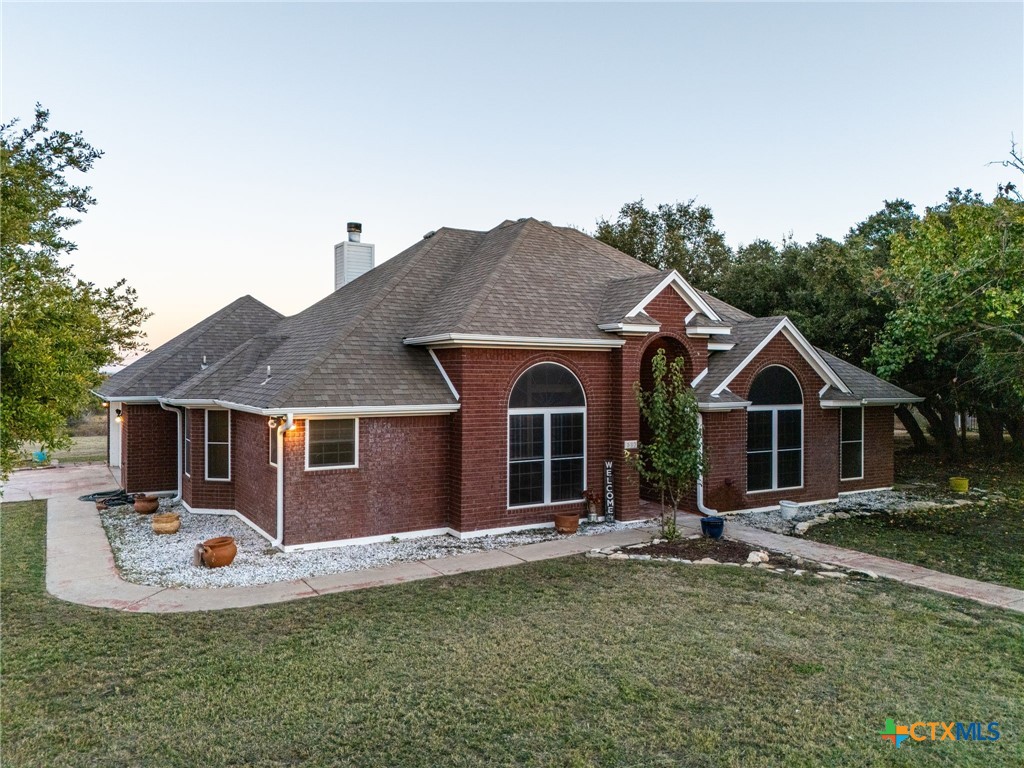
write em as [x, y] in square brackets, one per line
[240, 138]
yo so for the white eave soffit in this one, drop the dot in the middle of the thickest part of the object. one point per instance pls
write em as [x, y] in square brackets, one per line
[684, 289]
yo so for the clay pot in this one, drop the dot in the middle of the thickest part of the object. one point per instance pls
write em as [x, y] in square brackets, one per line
[567, 523]
[219, 552]
[168, 522]
[146, 505]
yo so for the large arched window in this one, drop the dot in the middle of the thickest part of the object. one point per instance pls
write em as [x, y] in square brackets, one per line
[546, 437]
[775, 431]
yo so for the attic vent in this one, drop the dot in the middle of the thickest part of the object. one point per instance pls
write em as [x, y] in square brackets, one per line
[203, 366]
[429, 234]
[352, 257]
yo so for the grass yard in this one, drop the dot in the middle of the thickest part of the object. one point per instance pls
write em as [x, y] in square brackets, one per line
[570, 663]
[984, 540]
[83, 448]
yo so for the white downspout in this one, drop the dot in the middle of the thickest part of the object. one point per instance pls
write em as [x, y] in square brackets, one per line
[177, 412]
[279, 436]
[700, 478]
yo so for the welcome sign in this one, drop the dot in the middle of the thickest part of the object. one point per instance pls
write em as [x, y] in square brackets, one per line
[609, 491]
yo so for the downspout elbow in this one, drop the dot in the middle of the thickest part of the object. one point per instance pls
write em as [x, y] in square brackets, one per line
[178, 413]
[701, 507]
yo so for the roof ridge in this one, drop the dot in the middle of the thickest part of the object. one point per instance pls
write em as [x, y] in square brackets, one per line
[346, 330]
[481, 296]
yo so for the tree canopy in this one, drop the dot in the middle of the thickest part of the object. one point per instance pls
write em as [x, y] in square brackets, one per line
[679, 236]
[56, 331]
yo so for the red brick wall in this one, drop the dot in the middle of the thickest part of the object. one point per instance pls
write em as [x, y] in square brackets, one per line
[197, 491]
[149, 451]
[669, 309]
[726, 437]
[401, 483]
[255, 479]
[878, 451]
[484, 379]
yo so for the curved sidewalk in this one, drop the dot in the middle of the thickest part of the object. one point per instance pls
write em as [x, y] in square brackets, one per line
[80, 565]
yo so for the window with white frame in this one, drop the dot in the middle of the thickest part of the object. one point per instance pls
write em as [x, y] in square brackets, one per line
[188, 443]
[775, 431]
[851, 444]
[218, 445]
[331, 443]
[272, 448]
[546, 437]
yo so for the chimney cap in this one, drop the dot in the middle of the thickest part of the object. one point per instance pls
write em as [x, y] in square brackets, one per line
[354, 226]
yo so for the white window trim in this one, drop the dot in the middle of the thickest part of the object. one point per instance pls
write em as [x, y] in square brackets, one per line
[775, 447]
[842, 442]
[186, 463]
[206, 446]
[271, 444]
[355, 437]
[546, 413]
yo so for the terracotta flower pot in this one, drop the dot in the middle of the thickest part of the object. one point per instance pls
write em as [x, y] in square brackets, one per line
[146, 505]
[168, 522]
[219, 552]
[567, 523]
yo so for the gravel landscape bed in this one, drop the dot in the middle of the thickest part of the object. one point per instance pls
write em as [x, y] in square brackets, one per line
[166, 560]
[856, 505]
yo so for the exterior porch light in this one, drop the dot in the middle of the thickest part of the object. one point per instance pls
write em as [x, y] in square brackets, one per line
[117, 416]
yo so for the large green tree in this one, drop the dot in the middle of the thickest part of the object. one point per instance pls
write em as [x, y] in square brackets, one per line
[958, 284]
[680, 236]
[56, 331]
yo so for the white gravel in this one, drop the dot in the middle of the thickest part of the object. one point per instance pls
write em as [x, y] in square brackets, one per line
[144, 557]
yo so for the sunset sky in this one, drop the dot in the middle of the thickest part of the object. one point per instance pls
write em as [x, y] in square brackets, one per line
[239, 138]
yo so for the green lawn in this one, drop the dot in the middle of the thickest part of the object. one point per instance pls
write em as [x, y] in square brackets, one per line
[83, 448]
[570, 663]
[983, 540]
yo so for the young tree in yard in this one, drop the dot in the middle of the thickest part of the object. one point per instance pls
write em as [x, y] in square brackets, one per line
[56, 331]
[681, 236]
[672, 459]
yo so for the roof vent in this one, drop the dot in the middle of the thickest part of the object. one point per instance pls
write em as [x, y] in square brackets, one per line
[352, 257]
[430, 234]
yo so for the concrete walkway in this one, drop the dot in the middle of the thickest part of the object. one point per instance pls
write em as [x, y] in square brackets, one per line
[80, 566]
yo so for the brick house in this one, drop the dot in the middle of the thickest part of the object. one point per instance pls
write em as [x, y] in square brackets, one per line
[477, 383]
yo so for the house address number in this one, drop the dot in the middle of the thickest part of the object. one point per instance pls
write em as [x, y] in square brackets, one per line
[630, 445]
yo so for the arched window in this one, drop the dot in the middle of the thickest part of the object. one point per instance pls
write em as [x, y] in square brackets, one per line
[546, 437]
[775, 431]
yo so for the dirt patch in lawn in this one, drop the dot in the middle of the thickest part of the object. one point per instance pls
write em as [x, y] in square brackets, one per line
[722, 550]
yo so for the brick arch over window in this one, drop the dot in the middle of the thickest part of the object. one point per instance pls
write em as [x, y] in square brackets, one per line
[547, 441]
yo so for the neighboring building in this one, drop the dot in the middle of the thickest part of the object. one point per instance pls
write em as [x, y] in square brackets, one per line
[476, 383]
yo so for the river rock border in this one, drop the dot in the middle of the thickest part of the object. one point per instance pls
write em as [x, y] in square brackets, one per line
[758, 558]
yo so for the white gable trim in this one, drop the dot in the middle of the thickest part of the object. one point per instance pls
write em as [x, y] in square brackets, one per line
[629, 328]
[786, 328]
[720, 346]
[684, 289]
[699, 378]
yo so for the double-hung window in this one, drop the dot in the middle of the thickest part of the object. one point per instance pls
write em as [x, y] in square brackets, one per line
[775, 431]
[851, 444]
[332, 443]
[218, 445]
[546, 437]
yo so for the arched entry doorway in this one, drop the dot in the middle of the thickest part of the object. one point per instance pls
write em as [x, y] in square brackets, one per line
[673, 349]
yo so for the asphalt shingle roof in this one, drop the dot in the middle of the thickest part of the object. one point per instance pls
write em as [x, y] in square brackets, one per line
[524, 278]
[182, 357]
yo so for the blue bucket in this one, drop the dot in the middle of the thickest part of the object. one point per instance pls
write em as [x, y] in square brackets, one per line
[39, 456]
[712, 526]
